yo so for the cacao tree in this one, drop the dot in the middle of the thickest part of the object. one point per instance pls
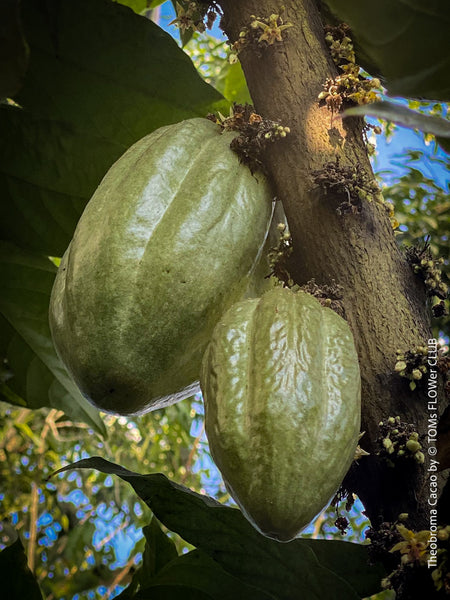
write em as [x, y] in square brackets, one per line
[84, 80]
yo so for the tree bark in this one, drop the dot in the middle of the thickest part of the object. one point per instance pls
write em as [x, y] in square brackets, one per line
[385, 303]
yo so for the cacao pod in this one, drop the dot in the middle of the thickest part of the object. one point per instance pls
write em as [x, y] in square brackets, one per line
[166, 244]
[281, 384]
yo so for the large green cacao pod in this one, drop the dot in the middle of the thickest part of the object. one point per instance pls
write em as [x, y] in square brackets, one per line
[166, 244]
[281, 385]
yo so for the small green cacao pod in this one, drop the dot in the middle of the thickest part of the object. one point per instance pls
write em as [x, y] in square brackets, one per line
[281, 386]
[167, 243]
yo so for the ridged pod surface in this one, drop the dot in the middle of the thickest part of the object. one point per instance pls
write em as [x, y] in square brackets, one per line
[281, 386]
[166, 244]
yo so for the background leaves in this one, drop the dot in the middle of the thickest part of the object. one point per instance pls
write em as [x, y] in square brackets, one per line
[406, 41]
[36, 373]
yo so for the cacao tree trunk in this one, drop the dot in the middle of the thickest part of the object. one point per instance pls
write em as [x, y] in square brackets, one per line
[385, 303]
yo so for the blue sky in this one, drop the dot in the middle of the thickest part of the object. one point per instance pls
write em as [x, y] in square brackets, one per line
[389, 155]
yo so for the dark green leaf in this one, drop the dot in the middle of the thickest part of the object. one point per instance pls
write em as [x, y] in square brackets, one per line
[287, 571]
[444, 143]
[197, 571]
[350, 562]
[17, 581]
[173, 592]
[100, 78]
[13, 49]
[406, 39]
[403, 116]
[39, 377]
[159, 550]
[46, 178]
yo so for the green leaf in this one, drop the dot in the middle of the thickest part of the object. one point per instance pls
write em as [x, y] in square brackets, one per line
[7, 395]
[198, 572]
[17, 581]
[232, 84]
[288, 571]
[161, 567]
[138, 5]
[350, 563]
[385, 595]
[403, 116]
[13, 49]
[100, 78]
[39, 377]
[159, 550]
[406, 39]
